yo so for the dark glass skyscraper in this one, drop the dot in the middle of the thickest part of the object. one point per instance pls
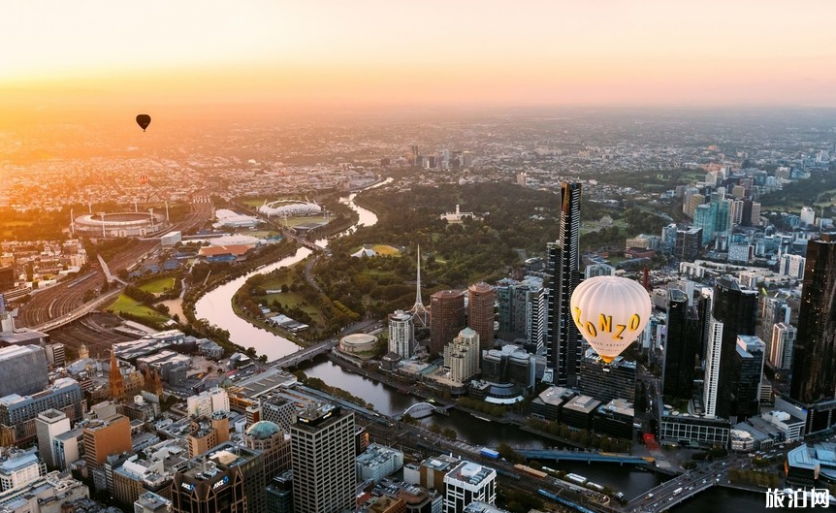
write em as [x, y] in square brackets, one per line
[814, 358]
[683, 344]
[737, 310]
[564, 342]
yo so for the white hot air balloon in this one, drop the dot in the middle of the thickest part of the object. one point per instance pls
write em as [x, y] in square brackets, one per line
[610, 313]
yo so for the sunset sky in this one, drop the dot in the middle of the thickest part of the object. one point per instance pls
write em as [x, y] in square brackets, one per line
[399, 52]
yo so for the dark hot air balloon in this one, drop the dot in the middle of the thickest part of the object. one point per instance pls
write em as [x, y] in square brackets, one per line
[143, 120]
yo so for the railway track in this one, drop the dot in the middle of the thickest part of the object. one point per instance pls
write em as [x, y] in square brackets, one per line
[62, 299]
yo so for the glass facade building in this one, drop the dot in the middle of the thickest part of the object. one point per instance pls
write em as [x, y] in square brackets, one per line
[564, 342]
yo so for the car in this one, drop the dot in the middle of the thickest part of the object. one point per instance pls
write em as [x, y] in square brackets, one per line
[703, 481]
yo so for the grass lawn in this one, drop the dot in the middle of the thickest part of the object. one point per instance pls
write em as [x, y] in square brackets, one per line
[294, 300]
[384, 250]
[296, 221]
[262, 234]
[130, 306]
[159, 286]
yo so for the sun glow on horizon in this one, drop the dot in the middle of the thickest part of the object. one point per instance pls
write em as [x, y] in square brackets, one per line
[376, 51]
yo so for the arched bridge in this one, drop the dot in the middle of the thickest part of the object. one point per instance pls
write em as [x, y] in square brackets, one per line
[419, 410]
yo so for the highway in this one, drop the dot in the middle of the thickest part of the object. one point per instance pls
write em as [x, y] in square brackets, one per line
[687, 485]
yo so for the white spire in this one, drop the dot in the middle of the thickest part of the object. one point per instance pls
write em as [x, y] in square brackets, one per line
[418, 311]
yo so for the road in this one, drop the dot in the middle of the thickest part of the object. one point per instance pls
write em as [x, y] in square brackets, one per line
[50, 307]
[686, 485]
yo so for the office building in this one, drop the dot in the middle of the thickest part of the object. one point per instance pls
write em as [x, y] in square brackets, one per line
[549, 403]
[748, 374]
[480, 312]
[808, 216]
[682, 347]
[447, 318]
[150, 502]
[18, 413]
[733, 313]
[814, 358]
[278, 410]
[693, 201]
[7, 278]
[736, 212]
[676, 427]
[688, 243]
[208, 402]
[461, 356]
[208, 432]
[792, 266]
[279, 493]
[615, 419]
[704, 220]
[523, 312]
[228, 479]
[129, 477]
[24, 370]
[607, 381]
[781, 348]
[48, 425]
[466, 483]
[105, 437]
[322, 452]
[593, 270]
[401, 334]
[773, 311]
[19, 468]
[377, 462]
[274, 445]
[563, 348]
[47, 494]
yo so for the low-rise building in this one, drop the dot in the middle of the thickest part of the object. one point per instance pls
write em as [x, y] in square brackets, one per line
[377, 462]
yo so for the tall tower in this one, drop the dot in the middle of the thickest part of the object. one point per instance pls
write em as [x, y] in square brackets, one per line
[564, 342]
[681, 347]
[447, 318]
[418, 310]
[734, 312]
[322, 456]
[814, 358]
[117, 384]
[480, 316]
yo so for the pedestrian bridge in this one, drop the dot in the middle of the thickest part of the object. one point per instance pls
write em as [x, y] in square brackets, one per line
[419, 410]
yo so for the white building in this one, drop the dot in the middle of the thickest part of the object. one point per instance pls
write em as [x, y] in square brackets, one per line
[401, 334]
[466, 483]
[461, 356]
[792, 266]
[712, 361]
[208, 402]
[19, 468]
[808, 216]
[170, 239]
[783, 340]
[377, 462]
[231, 219]
[594, 270]
[48, 425]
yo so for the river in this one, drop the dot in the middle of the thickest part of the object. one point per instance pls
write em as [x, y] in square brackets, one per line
[217, 307]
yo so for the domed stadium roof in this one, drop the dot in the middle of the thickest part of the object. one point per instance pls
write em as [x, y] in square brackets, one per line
[263, 430]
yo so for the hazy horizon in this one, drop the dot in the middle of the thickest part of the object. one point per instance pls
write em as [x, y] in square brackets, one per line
[379, 54]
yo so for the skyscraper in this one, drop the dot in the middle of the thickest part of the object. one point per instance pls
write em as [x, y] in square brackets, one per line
[564, 342]
[461, 356]
[814, 361]
[783, 340]
[447, 318]
[49, 424]
[733, 313]
[746, 384]
[401, 333]
[322, 454]
[683, 344]
[480, 312]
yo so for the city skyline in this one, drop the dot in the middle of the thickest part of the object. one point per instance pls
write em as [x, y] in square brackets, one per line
[373, 53]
